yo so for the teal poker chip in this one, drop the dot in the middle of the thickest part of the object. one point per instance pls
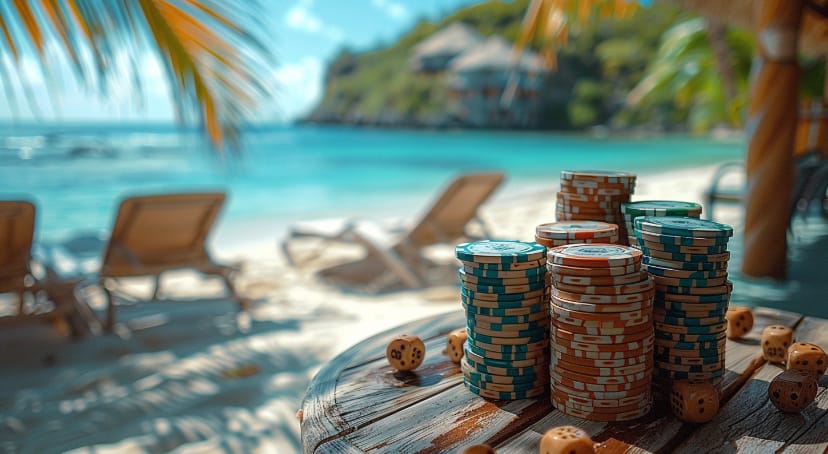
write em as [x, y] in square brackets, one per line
[500, 387]
[685, 361]
[505, 363]
[690, 346]
[507, 267]
[469, 371]
[505, 289]
[500, 251]
[504, 274]
[536, 317]
[659, 312]
[664, 296]
[685, 257]
[687, 266]
[675, 375]
[674, 249]
[681, 329]
[684, 307]
[688, 337]
[513, 304]
[692, 283]
[505, 312]
[689, 321]
[516, 356]
[510, 348]
[507, 371]
[498, 297]
[683, 274]
[717, 290]
[523, 337]
[527, 327]
[472, 280]
[678, 240]
[683, 226]
[503, 395]
[662, 208]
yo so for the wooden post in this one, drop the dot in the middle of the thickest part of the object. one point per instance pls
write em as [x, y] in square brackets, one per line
[772, 122]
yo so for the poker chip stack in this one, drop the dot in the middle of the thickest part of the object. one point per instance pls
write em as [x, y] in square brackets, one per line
[602, 332]
[595, 195]
[633, 210]
[505, 292]
[687, 258]
[561, 233]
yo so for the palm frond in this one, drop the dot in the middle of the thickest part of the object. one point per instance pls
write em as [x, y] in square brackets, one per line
[216, 65]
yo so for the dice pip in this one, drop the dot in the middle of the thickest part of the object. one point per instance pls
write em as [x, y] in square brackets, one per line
[566, 439]
[694, 402]
[405, 352]
[807, 357]
[775, 342]
[792, 390]
[739, 321]
[454, 347]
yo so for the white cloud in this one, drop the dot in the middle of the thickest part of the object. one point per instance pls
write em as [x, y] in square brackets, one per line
[299, 86]
[393, 9]
[300, 17]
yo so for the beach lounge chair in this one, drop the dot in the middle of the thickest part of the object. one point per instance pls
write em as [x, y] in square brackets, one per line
[51, 299]
[396, 257]
[156, 234]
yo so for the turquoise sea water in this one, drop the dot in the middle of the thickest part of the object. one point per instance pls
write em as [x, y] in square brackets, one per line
[78, 174]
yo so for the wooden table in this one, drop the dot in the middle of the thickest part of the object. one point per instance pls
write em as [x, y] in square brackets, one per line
[357, 403]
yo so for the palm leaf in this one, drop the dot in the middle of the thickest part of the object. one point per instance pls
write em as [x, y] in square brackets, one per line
[214, 61]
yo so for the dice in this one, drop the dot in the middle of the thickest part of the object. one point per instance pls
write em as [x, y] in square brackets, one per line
[566, 439]
[454, 347]
[479, 449]
[694, 402]
[739, 321]
[792, 390]
[775, 342]
[807, 357]
[405, 352]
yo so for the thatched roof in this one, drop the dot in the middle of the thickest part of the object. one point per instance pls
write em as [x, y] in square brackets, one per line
[449, 41]
[496, 53]
[813, 39]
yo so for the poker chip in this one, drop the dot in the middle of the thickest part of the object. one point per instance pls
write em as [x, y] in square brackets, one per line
[555, 243]
[717, 249]
[504, 289]
[594, 255]
[595, 195]
[610, 271]
[656, 208]
[683, 226]
[576, 230]
[624, 279]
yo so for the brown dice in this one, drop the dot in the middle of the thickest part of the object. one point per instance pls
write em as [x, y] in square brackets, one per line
[454, 347]
[792, 390]
[775, 342]
[739, 322]
[479, 449]
[405, 352]
[694, 402]
[807, 357]
[566, 439]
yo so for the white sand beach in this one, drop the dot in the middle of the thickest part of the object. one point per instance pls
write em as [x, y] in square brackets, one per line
[193, 375]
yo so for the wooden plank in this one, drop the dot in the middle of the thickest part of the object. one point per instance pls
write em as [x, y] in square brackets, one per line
[750, 423]
[322, 420]
[659, 430]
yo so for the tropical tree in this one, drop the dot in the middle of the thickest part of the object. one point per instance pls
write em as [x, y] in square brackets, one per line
[213, 58]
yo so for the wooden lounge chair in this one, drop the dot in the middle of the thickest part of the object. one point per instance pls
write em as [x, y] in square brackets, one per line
[155, 234]
[51, 300]
[396, 257]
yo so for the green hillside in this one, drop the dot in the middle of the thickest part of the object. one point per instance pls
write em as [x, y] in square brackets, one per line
[599, 66]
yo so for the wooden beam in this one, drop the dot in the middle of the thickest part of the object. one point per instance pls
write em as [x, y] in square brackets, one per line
[771, 128]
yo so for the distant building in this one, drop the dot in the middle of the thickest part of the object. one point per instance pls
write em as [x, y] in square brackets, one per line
[491, 86]
[434, 53]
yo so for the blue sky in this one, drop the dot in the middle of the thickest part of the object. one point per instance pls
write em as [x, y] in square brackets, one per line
[306, 34]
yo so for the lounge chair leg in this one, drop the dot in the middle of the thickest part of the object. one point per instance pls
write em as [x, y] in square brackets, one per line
[21, 302]
[157, 288]
[110, 309]
[231, 291]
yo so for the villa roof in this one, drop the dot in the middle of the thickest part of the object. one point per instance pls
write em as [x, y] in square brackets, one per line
[496, 53]
[449, 41]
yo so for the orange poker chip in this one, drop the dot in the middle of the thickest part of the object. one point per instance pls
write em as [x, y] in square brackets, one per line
[594, 255]
[603, 299]
[567, 216]
[619, 347]
[611, 319]
[556, 386]
[623, 289]
[588, 362]
[602, 308]
[593, 409]
[586, 354]
[566, 270]
[555, 243]
[595, 331]
[609, 176]
[601, 417]
[601, 327]
[592, 339]
[598, 379]
[592, 184]
[602, 371]
[589, 383]
[624, 279]
[605, 405]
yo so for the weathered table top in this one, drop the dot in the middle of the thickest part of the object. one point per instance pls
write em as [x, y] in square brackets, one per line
[357, 403]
